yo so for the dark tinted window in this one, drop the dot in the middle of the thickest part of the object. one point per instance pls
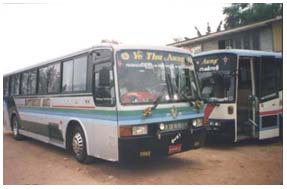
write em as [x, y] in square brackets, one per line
[74, 74]
[68, 76]
[280, 73]
[80, 73]
[32, 82]
[6, 86]
[28, 82]
[104, 93]
[43, 81]
[54, 77]
[15, 84]
[268, 78]
[49, 79]
[24, 83]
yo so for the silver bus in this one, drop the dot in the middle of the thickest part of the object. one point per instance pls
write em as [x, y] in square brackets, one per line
[110, 102]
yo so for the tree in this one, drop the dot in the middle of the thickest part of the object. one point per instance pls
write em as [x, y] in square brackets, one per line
[239, 14]
[208, 29]
[197, 30]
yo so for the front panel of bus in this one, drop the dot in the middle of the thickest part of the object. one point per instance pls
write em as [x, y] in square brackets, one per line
[159, 111]
[217, 76]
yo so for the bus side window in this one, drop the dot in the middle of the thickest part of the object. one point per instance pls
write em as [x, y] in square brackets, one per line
[268, 79]
[279, 73]
[104, 91]
[6, 86]
[15, 84]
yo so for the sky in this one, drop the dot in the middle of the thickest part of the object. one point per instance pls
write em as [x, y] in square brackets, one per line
[35, 31]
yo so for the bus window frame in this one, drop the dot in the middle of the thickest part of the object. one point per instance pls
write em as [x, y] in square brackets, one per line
[38, 76]
[199, 96]
[260, 83]
[36, 91]
[236, 76]
[103, 60]
[19, 87]
[62, 75]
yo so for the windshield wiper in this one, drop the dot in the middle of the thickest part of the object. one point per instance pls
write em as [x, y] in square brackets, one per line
[148, 111]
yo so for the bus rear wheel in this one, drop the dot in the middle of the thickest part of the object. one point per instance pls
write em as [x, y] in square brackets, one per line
[15, 128]
[78, 144]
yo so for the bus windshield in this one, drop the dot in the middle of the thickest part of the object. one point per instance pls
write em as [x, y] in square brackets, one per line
[216, 75]
[147, 75]
[217, 86]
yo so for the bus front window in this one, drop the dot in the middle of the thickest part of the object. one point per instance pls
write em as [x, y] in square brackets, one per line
[145, 75]
[217, 86]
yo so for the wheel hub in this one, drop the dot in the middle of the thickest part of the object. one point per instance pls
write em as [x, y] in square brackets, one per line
[15, 128]
[78, 144]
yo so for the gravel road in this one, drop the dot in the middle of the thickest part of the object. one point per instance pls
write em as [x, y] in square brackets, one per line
[33, 162]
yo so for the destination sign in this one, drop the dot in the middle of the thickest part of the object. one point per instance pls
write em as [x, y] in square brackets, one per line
[155, 56]
[216, 62]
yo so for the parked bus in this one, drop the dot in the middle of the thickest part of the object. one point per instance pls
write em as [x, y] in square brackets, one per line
[243, 89]
[110, 102]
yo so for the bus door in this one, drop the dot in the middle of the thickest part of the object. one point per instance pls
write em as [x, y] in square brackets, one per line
[269, 108]
[246, 99]
[105, 134]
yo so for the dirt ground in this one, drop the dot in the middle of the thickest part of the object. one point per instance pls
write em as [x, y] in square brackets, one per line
[33, 162]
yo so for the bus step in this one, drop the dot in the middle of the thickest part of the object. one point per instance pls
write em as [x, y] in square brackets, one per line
[243, 137]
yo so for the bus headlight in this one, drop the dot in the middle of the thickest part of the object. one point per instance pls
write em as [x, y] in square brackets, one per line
[214, 123]
[197, 122]
[126, 131]
[139, 130]
[161, 126]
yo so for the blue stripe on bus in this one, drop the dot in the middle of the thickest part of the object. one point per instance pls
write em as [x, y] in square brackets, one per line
[137, 119]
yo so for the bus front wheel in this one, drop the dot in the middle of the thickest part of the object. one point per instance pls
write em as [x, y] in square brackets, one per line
[79, 148]
[15, 128]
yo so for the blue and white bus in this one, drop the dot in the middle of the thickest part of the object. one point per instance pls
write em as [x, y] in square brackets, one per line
[243, 89]
[110, 102]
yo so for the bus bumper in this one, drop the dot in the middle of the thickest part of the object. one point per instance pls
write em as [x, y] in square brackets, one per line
[225, 129]
[155, 146]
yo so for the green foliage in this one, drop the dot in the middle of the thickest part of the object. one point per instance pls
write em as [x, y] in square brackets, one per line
[239, 14]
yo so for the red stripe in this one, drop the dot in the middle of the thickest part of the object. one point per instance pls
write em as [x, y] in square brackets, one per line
[64, 106]
[271, 112]
[208, 109]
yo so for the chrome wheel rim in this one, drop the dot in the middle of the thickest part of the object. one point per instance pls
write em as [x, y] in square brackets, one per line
[15, 128]
[78, 144]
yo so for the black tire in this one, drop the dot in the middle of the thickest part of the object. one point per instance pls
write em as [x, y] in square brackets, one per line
[15, 128]
[78, 146]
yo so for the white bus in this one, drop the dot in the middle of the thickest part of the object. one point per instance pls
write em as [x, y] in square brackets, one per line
[110, 102]
[243, 89]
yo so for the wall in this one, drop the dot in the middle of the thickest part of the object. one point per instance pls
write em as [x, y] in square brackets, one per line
[277, 29]
[265, 37]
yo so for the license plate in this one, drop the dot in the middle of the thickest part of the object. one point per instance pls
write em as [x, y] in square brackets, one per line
[174, 148]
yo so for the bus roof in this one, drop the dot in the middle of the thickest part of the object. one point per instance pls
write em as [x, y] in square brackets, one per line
[101, 46]
[241, 52]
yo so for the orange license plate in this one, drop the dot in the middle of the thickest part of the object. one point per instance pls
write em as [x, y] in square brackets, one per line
[174, 148]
